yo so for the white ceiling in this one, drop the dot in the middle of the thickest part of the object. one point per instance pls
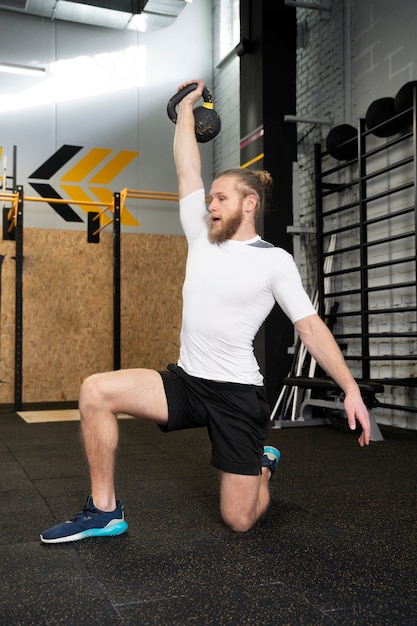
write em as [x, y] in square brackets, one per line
[142, 15]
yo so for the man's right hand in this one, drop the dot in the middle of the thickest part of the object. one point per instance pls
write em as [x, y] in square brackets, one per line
[195, 95]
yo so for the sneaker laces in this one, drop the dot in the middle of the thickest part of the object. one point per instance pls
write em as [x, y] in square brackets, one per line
[86, 513]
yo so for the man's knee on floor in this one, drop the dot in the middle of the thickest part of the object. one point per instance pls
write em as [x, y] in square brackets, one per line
[239, 521]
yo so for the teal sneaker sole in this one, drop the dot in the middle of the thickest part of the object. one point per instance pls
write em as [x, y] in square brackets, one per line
[273, 451]
[271, 459]
[112, 529]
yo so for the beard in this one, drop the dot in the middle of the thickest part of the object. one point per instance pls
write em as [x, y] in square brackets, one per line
[224, 229]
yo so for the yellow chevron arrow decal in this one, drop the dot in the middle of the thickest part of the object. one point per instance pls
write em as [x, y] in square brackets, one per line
[88, 163]
[114, 167]
[77, 193]
[105, 195]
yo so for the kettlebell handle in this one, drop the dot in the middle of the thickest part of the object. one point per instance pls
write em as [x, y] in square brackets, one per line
[207, 122]
[176, 98]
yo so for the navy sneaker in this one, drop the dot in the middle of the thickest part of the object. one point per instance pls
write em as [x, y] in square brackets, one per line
[90, 522]
[271, 458]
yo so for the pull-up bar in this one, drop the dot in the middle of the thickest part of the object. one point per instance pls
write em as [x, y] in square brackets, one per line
[93, 231]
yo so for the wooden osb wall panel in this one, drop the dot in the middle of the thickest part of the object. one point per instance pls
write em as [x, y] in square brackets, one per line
[153, 268]
[68, 309]
[67, 312]
[7, 321]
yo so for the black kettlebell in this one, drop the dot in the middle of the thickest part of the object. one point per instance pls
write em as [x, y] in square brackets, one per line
[207, 122]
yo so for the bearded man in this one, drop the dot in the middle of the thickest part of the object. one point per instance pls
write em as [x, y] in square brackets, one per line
[233, 279]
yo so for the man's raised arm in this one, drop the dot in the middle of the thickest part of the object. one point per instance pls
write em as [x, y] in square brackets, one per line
[186, 151]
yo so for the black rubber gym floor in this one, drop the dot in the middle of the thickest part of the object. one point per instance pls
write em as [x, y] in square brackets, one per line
[337, 546]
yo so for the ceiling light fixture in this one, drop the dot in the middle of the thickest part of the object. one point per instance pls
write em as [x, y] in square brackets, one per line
[30, 70]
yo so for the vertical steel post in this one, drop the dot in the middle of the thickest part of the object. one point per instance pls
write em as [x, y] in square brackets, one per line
[18, 383]
[116, 284]
[415, 177]
[363, 234]
[319, 229]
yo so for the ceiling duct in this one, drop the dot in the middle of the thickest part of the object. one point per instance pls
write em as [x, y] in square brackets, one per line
[13, 4]
[126, 6]
[141, 15]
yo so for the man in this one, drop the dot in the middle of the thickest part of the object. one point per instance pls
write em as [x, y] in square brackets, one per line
[233, 279]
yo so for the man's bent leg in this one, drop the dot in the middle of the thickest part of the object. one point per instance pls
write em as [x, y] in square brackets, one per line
[137, 392]
[243, 499]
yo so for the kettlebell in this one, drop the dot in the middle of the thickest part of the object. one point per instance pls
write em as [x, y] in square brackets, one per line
[207, 122]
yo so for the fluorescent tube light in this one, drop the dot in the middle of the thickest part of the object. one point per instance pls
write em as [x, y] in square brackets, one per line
[22, 69]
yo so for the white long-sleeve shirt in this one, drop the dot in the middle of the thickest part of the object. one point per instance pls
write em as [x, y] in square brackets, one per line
[229, 290]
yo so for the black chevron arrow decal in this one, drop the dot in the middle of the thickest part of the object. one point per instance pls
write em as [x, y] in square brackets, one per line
[55, 162]
[62, 208]
[46, 171]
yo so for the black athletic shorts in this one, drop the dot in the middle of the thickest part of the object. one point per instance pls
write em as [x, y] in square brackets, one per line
[236, 417]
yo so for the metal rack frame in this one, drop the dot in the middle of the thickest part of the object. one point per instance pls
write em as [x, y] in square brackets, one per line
[335, 217]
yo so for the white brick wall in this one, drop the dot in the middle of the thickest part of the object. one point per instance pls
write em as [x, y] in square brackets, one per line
[384, 46]
[319, 95]
[226, 89]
